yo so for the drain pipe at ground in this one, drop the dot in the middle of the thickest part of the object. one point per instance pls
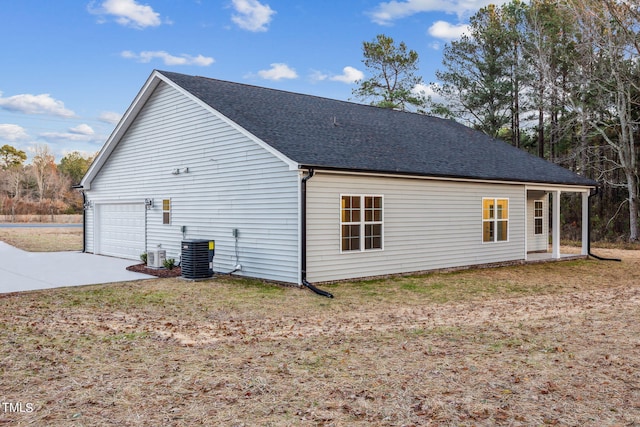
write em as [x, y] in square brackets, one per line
[303, 236]
[589, 232]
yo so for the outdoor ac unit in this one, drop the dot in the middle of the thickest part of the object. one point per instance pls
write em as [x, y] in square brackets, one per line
[156, 258]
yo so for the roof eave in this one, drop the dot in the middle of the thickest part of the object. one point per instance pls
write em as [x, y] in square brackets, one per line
[445, 177]
[121, 128]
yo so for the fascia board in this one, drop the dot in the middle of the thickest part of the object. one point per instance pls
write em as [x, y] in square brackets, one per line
[529, 185]
[121, 128]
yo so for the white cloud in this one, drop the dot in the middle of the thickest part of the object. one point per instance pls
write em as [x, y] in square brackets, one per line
[447, 31]
[278, 72]
[168, 59]
[252, 15]
[9, 132]
[82, 129]
[422, 89]
[81, 133]
[128, 13]
[387, 12]
[349, 75]
[66, 136]
[318, 76]
[428, 91]
[35, 104]
[110, 117]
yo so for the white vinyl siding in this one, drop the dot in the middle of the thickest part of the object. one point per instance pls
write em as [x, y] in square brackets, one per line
[224, 181]
[428, 224]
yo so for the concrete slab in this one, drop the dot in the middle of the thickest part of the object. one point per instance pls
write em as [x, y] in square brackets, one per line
[26, 271]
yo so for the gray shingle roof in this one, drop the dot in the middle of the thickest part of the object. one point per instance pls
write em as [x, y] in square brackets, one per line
[327, 133]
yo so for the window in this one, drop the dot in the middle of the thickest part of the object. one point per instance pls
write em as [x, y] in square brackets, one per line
[538, 216]
[495, 220]
[350, 223]
[360, 223]
[166, 211]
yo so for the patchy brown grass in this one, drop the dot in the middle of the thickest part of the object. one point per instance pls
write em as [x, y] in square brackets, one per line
[545, 344]
[40, 239]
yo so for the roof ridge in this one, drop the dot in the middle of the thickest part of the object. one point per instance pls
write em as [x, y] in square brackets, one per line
[302, 94]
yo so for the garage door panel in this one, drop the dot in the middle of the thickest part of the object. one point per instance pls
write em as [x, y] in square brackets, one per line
[121, 230]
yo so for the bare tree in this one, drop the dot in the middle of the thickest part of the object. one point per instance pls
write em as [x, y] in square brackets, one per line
[43, 169]
[549, 48]
[609, 44]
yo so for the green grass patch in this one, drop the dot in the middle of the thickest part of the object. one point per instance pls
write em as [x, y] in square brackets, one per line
[259, 287]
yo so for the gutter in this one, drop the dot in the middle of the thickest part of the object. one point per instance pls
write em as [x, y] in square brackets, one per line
[84, 216]
[303, 236]
[443, 177]
[589, 232]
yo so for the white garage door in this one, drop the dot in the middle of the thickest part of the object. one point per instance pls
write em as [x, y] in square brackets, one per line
[120, 230]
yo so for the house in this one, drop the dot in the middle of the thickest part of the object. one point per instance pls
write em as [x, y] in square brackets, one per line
[297, 188]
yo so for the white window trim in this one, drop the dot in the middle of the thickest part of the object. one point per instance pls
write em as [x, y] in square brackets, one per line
[495, 221]
[538, 217]
[167, 211]
[362, 224]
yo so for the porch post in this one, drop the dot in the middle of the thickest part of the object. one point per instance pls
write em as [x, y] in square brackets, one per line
[556, 225]
[585, 223]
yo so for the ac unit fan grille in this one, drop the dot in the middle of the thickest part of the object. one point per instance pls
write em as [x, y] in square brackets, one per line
[195, 259]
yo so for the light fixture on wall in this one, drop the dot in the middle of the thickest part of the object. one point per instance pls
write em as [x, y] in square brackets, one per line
[148, 203]
[178, 171]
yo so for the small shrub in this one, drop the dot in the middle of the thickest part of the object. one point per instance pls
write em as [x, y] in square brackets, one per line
[143, 257]
[169, 263]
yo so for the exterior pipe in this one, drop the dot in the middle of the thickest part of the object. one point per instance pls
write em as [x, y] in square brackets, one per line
[84, 217]
[589, 233]
[316, 290]
[303, 236]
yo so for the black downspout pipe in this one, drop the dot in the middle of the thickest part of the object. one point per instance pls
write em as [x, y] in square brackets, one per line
[589, 232]
[84, 217]
[303, 236]
[84, 222]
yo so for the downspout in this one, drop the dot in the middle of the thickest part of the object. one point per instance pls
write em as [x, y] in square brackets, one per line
[84, 216]
[589, 232]
[303, 236]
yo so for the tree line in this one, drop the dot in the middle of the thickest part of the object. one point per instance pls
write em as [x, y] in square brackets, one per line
[560, 79]
[41, 187]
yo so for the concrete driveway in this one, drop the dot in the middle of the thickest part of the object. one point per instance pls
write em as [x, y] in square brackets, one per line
[27, 271]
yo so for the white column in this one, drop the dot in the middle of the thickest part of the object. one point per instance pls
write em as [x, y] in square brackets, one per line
[556, 225]
[585, 223]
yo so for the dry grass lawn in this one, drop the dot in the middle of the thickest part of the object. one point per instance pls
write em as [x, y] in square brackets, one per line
[544, 344]
[43, 239]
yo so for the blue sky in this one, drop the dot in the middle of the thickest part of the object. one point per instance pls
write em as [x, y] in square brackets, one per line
[70, 68]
